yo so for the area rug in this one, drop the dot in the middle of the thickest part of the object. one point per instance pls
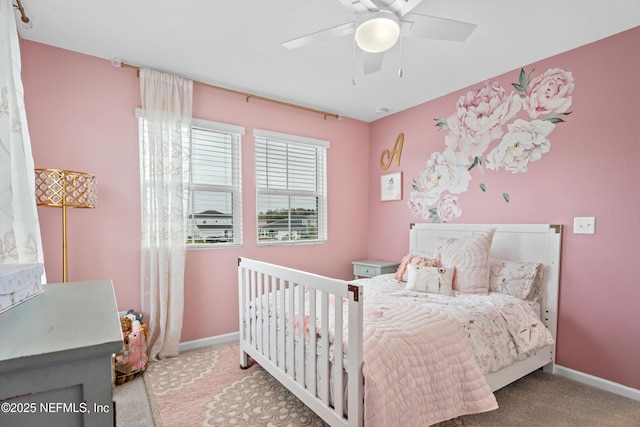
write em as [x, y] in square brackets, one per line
[206, 387]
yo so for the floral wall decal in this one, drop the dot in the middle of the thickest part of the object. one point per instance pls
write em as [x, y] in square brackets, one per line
[495, 130]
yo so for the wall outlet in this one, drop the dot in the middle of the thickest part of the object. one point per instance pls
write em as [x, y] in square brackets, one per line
[584, 225]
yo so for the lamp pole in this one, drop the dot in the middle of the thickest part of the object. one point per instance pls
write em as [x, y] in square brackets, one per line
[64, 238]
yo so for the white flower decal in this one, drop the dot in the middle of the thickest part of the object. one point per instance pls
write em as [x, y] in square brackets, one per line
[443, 172]
[525, 143]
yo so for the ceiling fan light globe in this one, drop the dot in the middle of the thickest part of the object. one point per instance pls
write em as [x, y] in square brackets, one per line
[378, 32]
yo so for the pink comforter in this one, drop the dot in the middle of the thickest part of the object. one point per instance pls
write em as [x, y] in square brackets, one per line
[418, 366]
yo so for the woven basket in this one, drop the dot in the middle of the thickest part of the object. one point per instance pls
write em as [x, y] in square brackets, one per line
[123, 372]
[122, 377]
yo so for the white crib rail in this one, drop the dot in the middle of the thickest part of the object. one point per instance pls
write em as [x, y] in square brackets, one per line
[266, 288]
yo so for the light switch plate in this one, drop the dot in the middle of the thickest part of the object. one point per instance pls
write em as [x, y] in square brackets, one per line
[584, 225]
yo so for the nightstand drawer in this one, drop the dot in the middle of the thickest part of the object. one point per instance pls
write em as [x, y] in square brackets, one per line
[365, 270]
[373, 268]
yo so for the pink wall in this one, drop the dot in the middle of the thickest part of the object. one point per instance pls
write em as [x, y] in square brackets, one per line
[591, 170]
[81, 117]
[80, 112]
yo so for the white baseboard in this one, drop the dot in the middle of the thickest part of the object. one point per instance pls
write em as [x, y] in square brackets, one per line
[601, 383]
[218, 339]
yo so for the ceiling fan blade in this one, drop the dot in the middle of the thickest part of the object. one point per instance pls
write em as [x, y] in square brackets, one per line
[328, 34]
[372, 62]
[432, 27]
[359, 6]
[400, 7]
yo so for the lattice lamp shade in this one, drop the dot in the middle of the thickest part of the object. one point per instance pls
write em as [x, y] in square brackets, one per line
[56, 187]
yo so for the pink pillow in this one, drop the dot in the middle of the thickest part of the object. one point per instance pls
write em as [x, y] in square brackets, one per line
[470, 257]
[401, 272]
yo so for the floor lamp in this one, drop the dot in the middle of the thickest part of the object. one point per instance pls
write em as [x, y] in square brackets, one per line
[65, 189]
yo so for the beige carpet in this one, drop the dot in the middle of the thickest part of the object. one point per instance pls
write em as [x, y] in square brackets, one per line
[132, 404]
[206, 387]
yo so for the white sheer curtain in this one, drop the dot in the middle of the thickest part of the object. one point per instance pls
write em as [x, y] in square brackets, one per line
[19, 228]
[164, 175]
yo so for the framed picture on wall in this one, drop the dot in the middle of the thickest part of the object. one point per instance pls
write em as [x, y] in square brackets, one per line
[391, 187]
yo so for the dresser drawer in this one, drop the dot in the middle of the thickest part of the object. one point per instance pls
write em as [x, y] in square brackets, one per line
[365, 270]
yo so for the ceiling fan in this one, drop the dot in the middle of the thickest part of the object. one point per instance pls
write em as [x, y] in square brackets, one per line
[379, 25]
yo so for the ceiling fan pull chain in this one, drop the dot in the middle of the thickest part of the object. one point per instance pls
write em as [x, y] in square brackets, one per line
[353, 68]
[400, 69]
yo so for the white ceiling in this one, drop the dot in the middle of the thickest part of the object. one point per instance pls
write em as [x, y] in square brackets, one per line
[236, 44]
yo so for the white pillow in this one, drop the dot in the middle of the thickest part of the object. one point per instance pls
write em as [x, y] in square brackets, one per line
[401, 273]
[435, 280]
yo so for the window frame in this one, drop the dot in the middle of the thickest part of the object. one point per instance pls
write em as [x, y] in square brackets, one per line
[320, 192]
[236, 132]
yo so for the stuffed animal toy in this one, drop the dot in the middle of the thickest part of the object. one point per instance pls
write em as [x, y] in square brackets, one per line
[125, 324]
[136, 315]
[136, 319]
[136, 354]
[133, 358]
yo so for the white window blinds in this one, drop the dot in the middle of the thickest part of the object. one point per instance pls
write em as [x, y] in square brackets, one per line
[215, 202]
[291, 188]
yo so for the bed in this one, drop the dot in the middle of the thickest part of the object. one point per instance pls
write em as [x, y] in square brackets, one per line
[433, 379]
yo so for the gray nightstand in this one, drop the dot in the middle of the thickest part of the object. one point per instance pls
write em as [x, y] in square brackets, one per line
[369, 268]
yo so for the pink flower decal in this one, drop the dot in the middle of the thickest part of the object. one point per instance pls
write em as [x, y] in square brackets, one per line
[448, 208]
[550, 93]
[479, 118]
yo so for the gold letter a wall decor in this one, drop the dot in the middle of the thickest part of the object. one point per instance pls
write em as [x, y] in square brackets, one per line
[397, 150]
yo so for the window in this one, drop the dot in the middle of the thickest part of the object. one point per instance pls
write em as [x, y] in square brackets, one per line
[215, 198]
[291, 188]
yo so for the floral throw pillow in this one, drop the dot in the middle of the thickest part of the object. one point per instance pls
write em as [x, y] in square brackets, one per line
[519, 279]
[401, 272]
[470, 257]
[435, 280]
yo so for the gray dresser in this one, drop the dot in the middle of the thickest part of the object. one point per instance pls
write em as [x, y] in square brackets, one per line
[55, 357]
